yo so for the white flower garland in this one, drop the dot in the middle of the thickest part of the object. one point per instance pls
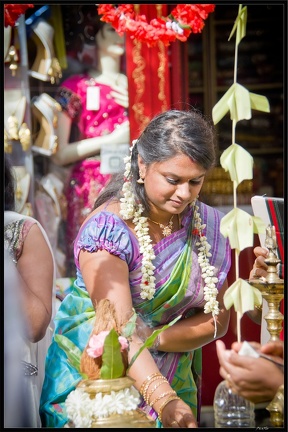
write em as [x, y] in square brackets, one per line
[128, 211]
[210, 289]
[81, 409]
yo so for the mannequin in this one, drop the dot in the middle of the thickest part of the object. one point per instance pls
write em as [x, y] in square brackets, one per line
[96, 103]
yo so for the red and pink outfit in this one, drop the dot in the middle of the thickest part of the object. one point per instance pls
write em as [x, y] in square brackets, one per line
[86, 181]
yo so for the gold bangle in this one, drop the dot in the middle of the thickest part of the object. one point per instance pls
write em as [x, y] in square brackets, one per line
[156, 378]
[168, 393]
[169, 399]
[149, 379]
[147, 384]
[155, 388]
[258, 307]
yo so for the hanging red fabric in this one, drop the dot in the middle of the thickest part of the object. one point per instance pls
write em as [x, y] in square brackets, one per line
[148, 73]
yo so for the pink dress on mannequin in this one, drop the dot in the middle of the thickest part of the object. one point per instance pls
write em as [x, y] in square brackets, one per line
[86, 181]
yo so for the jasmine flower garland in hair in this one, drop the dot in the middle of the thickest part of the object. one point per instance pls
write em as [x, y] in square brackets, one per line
[127, 203]
[128, 211]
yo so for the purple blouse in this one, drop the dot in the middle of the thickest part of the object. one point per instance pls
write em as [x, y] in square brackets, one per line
[107, 231]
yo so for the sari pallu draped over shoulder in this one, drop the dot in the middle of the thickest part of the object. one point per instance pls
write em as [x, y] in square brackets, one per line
[179, 291]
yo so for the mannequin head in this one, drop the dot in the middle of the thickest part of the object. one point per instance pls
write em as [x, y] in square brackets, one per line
[109, 42]
[87, 37]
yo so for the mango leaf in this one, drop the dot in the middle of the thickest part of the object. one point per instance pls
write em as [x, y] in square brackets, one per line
[238, 162]
[242, 296]
[150, 340]
[112, 363]
[130, 326]
[71, 350]
[240, 25]
[239, 101]
[237, 225]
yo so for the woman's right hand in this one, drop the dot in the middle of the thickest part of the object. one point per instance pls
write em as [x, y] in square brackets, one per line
[177, 414]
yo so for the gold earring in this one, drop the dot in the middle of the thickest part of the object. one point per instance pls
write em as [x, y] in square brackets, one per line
[140, 180]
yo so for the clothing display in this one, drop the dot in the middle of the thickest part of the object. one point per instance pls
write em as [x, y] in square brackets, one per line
[177, 270]
[86, 181]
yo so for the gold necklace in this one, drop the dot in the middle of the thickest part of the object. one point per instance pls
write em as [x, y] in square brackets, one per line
[166, 229]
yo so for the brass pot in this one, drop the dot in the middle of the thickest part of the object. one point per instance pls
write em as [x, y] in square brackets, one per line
[130, 419]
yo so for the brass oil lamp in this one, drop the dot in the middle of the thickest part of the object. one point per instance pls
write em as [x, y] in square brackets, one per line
[272, 289]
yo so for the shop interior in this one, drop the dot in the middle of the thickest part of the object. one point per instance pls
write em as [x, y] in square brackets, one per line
[199, 72]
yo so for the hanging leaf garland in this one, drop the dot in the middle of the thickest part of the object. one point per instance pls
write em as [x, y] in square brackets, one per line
[238, 225]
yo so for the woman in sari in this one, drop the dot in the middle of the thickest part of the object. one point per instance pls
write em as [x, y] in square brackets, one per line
[151, 246]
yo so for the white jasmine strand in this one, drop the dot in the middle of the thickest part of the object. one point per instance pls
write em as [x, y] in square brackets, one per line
[210, 280]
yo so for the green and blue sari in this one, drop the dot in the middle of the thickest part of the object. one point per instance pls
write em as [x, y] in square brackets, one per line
[179, 291]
